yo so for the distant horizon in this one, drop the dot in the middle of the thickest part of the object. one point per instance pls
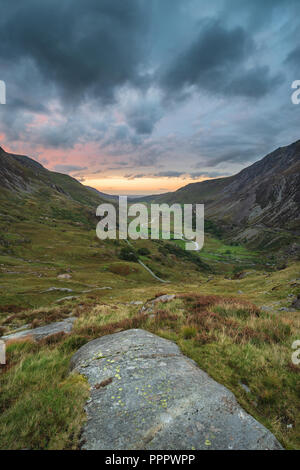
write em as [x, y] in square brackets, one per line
[173, 187]
[181, 181]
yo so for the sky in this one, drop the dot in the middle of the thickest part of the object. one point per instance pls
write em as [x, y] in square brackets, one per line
[146, 96]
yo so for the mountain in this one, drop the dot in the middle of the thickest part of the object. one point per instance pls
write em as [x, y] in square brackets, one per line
[261, 198]
[29, 190]
[20, 174]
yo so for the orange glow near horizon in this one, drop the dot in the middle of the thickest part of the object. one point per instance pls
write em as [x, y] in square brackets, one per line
[144, 186]
[106, 183]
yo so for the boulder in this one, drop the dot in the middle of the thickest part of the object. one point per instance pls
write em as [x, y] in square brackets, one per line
[69, 297]
[57, 289]
[146, 395]
[43, 331]
[162, 298]
[64, 276]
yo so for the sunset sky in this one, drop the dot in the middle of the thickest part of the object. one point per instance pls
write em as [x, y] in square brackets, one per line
[145, 96]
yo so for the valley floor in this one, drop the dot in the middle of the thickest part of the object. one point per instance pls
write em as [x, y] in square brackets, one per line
[232, 314]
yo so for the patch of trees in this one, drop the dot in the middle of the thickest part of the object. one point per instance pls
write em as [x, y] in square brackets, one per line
[170, 248]
[127, 253]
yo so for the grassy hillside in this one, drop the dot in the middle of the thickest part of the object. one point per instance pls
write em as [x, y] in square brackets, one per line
[228, 336]
[232, 312]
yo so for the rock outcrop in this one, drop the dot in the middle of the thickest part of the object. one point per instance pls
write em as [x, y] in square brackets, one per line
[42, 332]
[146, 395]
[148, 307]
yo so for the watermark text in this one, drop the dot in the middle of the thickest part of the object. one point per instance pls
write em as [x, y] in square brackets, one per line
[141, 221]
[2, 92]
[296, 95]
[296, 354]
[2, 353]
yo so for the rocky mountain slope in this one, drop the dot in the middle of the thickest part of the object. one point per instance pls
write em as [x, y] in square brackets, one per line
[28, 191]
[264, 196]
[22, 175]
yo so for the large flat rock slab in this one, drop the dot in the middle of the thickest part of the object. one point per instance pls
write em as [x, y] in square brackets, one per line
[42, 332]
[146, 395]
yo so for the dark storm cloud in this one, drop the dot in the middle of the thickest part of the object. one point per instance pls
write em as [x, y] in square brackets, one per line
[83, 47]
[214, 51]
[91, 48]
[143, 118]
[216, 62]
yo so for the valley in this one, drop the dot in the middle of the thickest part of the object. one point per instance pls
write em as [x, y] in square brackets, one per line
[232, 309]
